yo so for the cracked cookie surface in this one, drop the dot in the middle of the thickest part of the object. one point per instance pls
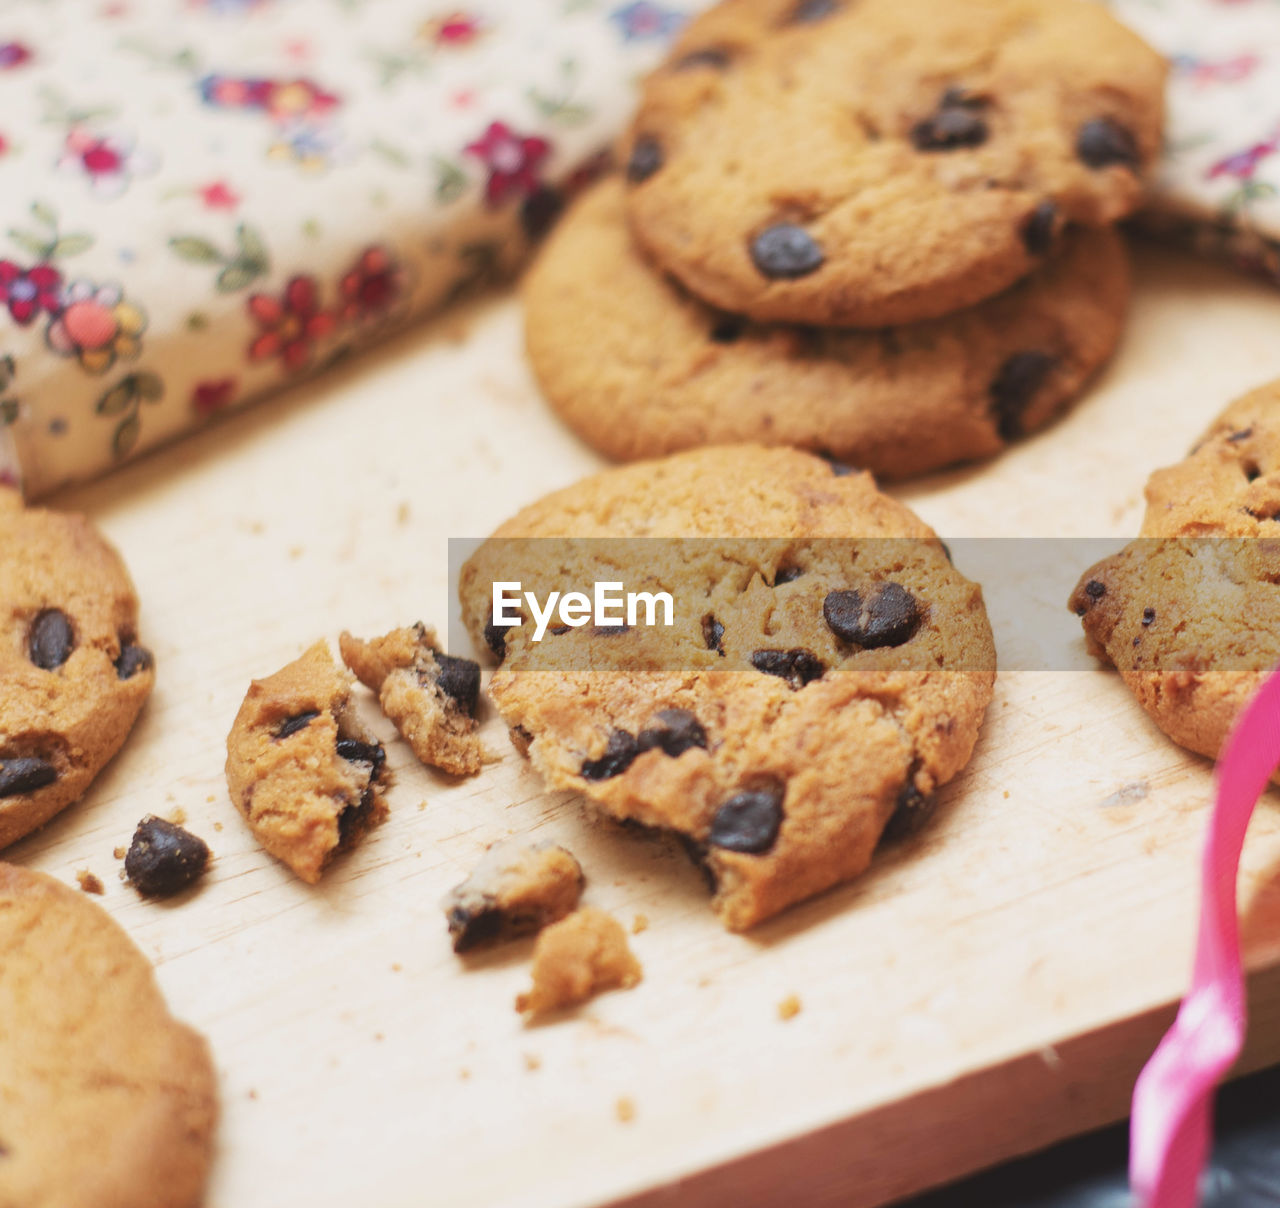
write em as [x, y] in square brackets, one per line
[106, 1101]
[826, 671]
[873, 162]
[1189, 613]
[639, 368]
[303, 771]
[72, 677]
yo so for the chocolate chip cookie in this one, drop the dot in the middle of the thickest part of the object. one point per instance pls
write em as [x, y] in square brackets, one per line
[73, 677]
[874, 162]
[638, 367]
[1189, 613]
[430, 696]
[826, 668]
[106, 1101]
[303, 771]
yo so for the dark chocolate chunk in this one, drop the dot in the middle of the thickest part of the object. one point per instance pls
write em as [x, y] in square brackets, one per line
[1095, 589]
[713, 634]
[163, 858]
[607, 631]
[679, 731]
[787, 574]
[619, 754]
[299, 721]
[885, 615]
[1038, 230]
[355, 751]
[1102, 141]
[1148, 616]
[25, 774]
[469, 928]
[50, 639]
[957, 123]
[716, 57]
[808, 11]
[460, 680]
[798, 666]
[785, 251]
[748, 821]
[646, 159]
[132, 660]
[1013, 388]
[911, 811]
[1243, 434]
[728, 329]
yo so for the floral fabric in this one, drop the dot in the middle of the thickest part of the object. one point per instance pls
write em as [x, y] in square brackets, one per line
[202, 199]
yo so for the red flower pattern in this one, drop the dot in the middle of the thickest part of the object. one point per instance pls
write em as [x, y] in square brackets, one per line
[212, 395]
[290, 325]
[28, 291]
[512, 159]
[371, 286]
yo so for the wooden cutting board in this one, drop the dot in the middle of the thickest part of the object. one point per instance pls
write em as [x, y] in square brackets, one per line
[989, 988]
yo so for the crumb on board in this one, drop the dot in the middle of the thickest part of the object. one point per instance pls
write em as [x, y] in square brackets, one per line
[177, 815]
[119, 852]
[464, 1073]
[88, 882]
[582, 954]
[639, 923]
[210, 799]
[296, 552]
[253, 1093]
[789, 1007]
[397, 967]
[403, 512]
[1006, 794]
[379, 1036]
[532, 1062]
[625, 1109]
[217, 826]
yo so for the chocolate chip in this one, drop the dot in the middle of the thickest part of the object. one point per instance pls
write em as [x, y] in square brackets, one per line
[787, 574]
[713, 634]
[460, 680]
[885, 615]
[1148, 616]
[728, 329]
[163, 858]
[1038, 230]
[749, 821]
[25, 774]
[1102, 141]
[838, 468]
[608, 631]
[539, 211]
[679, 731]
[355, 751]
[798, 666]
[1095, 589]
[808, 11]
[946, 549]
[1013, 388]
[132, 660]
[910, 812]
[784, 251]
[957, 123]
[619, 754]
[471, 928]
[716, 57]
[50, 640]
[1243, 434]
[646, 159]
[299, 721]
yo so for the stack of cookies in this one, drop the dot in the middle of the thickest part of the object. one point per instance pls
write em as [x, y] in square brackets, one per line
[880, 230]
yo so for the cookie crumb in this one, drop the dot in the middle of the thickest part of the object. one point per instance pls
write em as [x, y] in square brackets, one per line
[625, 1109]
[403, 513]
[1006, 794]
[217, 826]
[464, 1074]
[88, 882]
[253, 1093]
[577, 957]
[119, 852]
[639, 923]
[397, 967]
[210, 799]
[789, 1007]
[178, 816]
[532, 1062]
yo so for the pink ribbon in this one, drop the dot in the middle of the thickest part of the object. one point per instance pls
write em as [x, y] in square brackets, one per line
[1172, 1118]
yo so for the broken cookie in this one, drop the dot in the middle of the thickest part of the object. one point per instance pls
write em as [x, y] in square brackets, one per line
[164, 859]
[302, 770]
[515, 890]
[577, 957]
[430, 696]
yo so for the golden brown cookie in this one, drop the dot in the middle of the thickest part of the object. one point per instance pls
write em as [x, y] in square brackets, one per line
[638, 367]
[106, 1101]
[430, 696]
[72, 676]
[876, 162]
[826, 668]
[516, 889]
[1189, 613]
[577, 957]
[301, 768]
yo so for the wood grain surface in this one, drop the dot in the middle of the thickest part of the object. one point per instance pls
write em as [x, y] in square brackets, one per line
[989, 987]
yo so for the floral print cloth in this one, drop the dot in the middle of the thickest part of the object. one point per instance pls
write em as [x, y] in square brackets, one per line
[203, 199]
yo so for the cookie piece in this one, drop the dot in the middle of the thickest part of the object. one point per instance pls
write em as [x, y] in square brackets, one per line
[638, 368]
[72, 676]
[106, 1101]
[1189, 613]
[876, 162]
[430, 696]
[301, 768]
[810, 687]
[516, 889]
[576, 958]
[164, 859]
